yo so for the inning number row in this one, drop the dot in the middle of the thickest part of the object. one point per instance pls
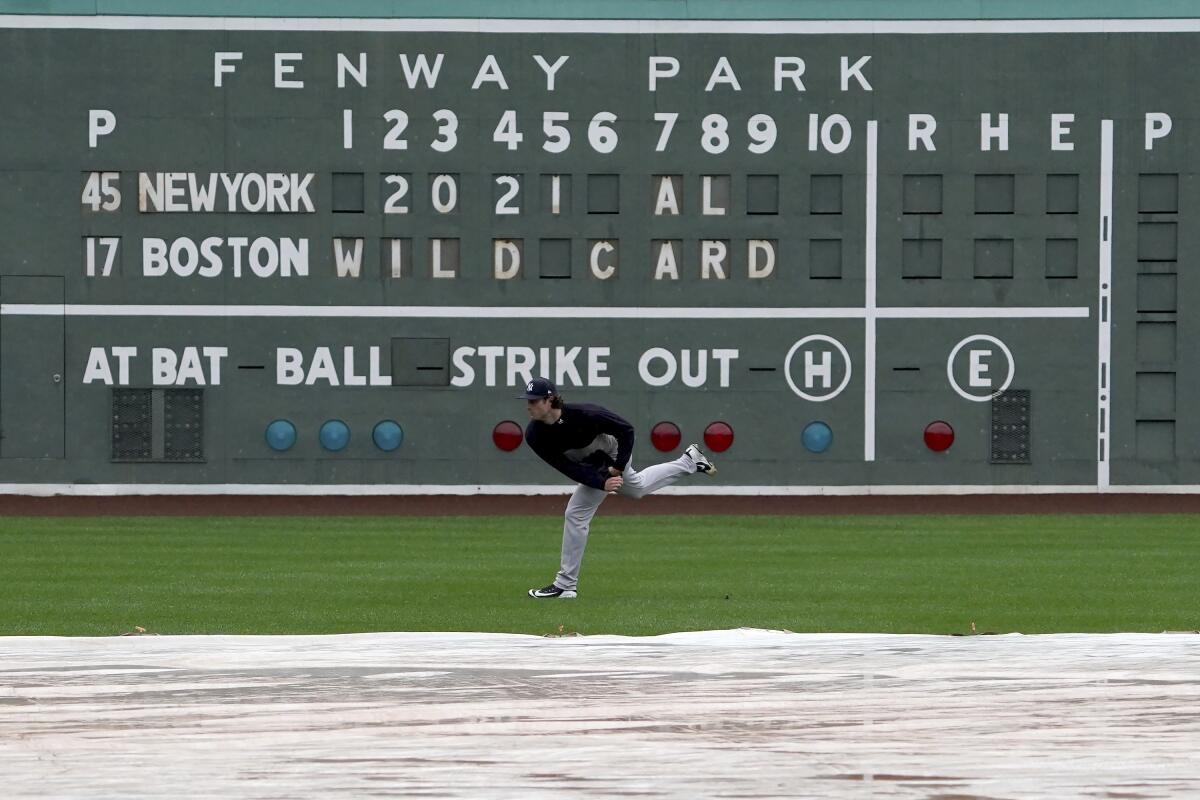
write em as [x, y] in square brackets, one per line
[833, 133]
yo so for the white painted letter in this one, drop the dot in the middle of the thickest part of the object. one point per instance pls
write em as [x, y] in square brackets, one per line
[662, 67]
[708, 208]
[666, 265]
[812, 370]
[723, 73]
[757, 267]
[289, 366]
[220, 67]
[1060, 126]
[605, 272]
[790, 67]
[712, 259]
[1158, 125]
[489, 70]
[921, 127]
[987, 132]
[550, 69]
[123, 354]
[438, 270]
[597, 365]
[724, 357]
[657, 354]
[978, 369]
[102, 122]
[666, 201]
[466, 373]
[348, 262]
[854, 71]
[97, 367]
[420, 70]
[163, 361]
[564, 366]
[521, 361]
[505, 250]
[281, 69]
[359, 73]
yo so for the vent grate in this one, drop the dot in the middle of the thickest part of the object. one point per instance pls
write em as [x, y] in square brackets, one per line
[183, 424]
[132, 425]
[1010, 427]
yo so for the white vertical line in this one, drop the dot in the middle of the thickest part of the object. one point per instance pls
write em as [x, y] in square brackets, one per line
[1105, 310]
[869, 315]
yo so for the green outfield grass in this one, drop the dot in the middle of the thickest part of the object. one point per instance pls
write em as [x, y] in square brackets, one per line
[642, 575]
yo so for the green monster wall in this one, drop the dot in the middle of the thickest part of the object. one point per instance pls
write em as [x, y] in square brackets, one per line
[849, 241]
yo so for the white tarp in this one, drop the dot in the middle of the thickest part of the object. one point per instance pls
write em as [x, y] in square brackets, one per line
[745, 713]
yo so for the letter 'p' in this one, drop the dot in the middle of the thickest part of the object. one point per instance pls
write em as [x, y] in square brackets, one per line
[101, 122]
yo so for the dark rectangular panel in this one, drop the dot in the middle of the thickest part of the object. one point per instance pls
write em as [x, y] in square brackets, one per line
[825, 258]
[994, 194]
[32, 384]
[825, 194]
[762, 194]
[418, 361]
[1062, 194]
[1156, 241]
[1158, 194]
[1155, 395]
[1156, 342]
[604, 194]
[993, 258]
[348, 192]
[1156, 292]
[922, 194]
[554, 258]
[921, 258]
[1155, 440]
[1062, 258]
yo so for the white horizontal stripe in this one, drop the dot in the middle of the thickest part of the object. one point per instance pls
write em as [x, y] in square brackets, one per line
[425, 312]
[381, 490]
[919, 312]
[525, 312]
[592, 26]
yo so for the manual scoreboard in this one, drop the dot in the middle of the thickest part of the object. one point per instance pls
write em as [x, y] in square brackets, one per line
[847, 256]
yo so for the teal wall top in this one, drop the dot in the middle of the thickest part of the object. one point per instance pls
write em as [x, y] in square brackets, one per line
[624, 9]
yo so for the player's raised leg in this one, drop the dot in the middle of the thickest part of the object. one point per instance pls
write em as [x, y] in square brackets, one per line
[639, 483]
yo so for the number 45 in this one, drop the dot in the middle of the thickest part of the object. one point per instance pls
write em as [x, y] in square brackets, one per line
[101, 191]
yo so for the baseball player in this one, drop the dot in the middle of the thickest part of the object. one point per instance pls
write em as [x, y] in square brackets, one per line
[591, 445]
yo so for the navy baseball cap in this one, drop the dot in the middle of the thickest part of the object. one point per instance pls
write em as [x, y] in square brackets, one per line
[538, 388]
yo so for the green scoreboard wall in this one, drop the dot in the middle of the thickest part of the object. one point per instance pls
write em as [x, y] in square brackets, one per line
[324, 255]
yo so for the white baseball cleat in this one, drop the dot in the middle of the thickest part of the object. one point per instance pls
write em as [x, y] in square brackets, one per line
[700, 460]
[552, 592]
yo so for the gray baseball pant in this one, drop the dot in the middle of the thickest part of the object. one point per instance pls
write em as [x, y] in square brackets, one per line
[585, 501]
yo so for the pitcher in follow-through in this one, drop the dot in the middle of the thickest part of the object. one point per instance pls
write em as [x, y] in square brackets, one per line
[591, 445]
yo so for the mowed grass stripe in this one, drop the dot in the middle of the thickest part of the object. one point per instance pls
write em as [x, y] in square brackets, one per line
[641, 575]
